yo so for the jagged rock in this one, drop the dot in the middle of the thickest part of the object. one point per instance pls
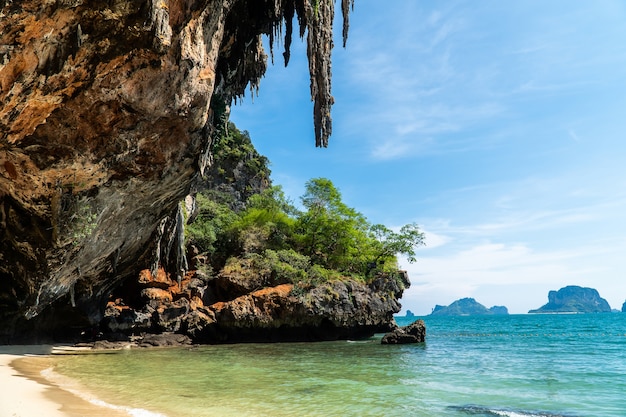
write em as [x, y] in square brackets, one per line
[169, 316]
[106, 120]
[330, 311]
[123, 319]
[467, 307]
[159, 280]
[230, 284]
[413, 333]
[574, 299]
[164, 339]
[157, 294]
[198, 323]
[338, 309]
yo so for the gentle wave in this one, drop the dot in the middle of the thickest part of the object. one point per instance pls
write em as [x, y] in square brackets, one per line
[513, 376]
[486, 411]
[72, 387]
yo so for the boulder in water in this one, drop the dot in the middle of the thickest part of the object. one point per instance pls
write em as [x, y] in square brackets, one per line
[413, 333]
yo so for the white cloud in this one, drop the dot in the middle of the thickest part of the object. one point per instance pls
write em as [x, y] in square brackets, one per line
[433, 240]
[513, 275]
[492, 263]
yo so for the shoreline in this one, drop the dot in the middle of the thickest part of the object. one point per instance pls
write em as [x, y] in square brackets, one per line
[26, 392]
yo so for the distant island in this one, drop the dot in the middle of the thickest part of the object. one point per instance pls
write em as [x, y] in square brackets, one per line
[574, 299]
[624, 307]
[468, 307]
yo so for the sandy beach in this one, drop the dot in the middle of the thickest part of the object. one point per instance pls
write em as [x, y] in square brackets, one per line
[26, 393]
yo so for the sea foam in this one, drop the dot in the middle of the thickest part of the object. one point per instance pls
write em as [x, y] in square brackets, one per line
[486, 411]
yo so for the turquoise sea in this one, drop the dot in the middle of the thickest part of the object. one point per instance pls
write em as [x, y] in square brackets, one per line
[516, 366]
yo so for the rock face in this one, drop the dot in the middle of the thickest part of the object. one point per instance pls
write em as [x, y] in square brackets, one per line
[413, 333]
[499, 310]
[330, 311]
[467, 307]
[107, 117]
[574, 299]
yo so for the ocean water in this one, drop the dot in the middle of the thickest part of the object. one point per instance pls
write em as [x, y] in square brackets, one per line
[516, 366]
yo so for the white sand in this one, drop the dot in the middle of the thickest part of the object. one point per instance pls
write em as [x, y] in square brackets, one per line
[20, 396]
[27, 393]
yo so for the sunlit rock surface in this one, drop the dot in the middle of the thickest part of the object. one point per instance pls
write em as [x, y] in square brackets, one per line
[106, 119]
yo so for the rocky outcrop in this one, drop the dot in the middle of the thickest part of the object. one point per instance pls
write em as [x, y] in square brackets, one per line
[284, 312]
[624, 307]
[499, 310]
[574, 299]
[107, 115]
[467, 307]
[413, 333]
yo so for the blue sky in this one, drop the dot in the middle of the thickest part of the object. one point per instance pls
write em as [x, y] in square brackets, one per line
[498, 127]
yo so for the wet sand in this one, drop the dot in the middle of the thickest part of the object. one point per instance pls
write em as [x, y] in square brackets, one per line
[25, 392]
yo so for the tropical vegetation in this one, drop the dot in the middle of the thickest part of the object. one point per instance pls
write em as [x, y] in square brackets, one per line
[319, 240]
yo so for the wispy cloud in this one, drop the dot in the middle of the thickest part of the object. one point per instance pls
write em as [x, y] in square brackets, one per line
[572, 134]
[422, 87]
[413, 85]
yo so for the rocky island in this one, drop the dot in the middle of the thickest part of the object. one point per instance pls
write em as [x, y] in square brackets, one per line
[574, 299]
[467, 307]
[112, 116]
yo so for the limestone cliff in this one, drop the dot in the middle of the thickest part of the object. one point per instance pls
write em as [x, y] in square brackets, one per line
[574, 299]
[210, 310]
[106, 118]
[468, 307]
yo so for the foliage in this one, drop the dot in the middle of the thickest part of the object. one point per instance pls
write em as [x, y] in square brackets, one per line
[267, 216]
[326, 241]
[83, 222]
[262, 230]
[390, 243]
[210, 231]
[330, 232]
[237, 163]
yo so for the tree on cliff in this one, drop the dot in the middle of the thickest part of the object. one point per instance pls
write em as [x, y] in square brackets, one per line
[330, 232]
[325, 236]
[389, 243]
[341, 238]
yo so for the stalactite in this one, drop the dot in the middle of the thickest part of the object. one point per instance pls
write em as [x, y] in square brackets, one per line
[181, 259]
[315, 20]
[319, 47]
[72, 295]
[290, 10]
[346, 7]
[156, 261]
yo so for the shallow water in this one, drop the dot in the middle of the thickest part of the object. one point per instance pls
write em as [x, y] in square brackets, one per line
[519, 365]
